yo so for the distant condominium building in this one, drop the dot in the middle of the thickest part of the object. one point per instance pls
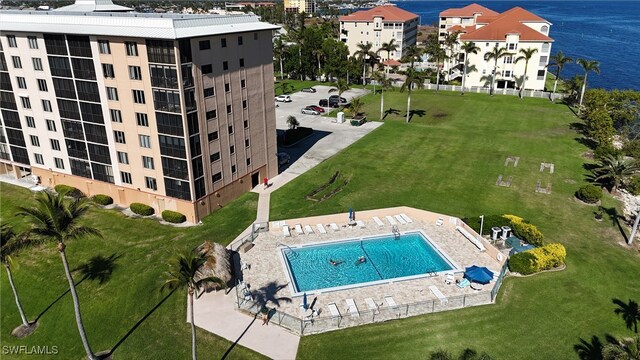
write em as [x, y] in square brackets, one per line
[300, 6]
[514, 29]
[378, 26]
[173, 111]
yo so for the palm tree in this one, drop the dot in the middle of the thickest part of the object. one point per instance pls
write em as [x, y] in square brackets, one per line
[10, 244]
[355, 106]
[622, 349]
[558, 61]
[340, 86]
[55, 219]
[469, 47]
[385, 83]
[496, 54]
[527, 54]
[439, 55]
[298, 37]
[587, 65]
[278, 50]
[389, 47]
[450, 41]
[184, 272]
[413, 53]
[292, 122]
[615, 169]
[414, 78]
[589, 350]
[630, 313]
[364, 52]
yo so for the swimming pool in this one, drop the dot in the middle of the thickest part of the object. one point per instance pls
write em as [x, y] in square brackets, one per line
[386, 258]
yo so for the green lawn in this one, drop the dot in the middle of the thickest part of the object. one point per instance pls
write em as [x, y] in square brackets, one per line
[141, 248]
[448, 160]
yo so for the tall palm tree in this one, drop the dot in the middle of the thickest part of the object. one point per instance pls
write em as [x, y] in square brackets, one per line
[385, 83]
[56, 219]
[340, 86]
[527, 54]
[558, 61]
[450, 42]
[615, 169]
[630, 313]
[439, 55]
[298, 37]
[414, 78]
[589, 350]
[184, 273]
[363, 53]
[495, 54]
[413, 53]
[469, 47]
[389, 47]
[587, 65]
[278, 50]
[622, 349]
[10, 244]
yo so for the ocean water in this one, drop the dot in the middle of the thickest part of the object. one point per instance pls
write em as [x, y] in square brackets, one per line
[605, 31]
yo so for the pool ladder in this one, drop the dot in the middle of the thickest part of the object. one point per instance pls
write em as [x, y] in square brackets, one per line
[396, 231]
[287, 246]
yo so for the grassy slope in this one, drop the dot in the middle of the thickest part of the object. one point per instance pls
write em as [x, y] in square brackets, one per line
[448, 161]
[111, 309]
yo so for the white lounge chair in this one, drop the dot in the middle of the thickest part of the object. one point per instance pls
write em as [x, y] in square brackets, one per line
[352, 308]
[285, 231]
[471, 238]
[449, 278]
[390, 302]
[334, 227]
[440, 222]
[360, 223]
[372, 304]
[443, 299]
[406, 218]
[321, 229]
[401, 220]
[333, 309]
[308, 229]
[391, 220]
[299, 229]
[378, 221]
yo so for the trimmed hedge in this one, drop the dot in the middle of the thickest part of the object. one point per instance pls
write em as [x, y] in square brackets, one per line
[142, 209]
[525, 231]
[589, 193]
[69, 191]
[535, 260]
[102, 199]
[489, 222]
[173, 217]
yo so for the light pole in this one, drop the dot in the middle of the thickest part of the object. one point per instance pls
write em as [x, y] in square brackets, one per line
[481, 224]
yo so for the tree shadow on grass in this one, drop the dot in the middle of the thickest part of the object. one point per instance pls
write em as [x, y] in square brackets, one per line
[416, 112]
[589, 350]
[586, 142]
[579, 127]
[615, 220]
[390, 111]
[97, 268]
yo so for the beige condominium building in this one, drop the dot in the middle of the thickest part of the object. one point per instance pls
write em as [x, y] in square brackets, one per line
[378, 26]
[514, 29]
[173, 111]
[300, 6]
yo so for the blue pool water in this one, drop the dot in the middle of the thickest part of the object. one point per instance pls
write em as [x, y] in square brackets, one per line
[386, 258]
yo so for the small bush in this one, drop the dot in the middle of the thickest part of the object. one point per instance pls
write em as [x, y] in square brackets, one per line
[173, 217]
[141, 209]
[525, 231]
[589, 193]
[523, 263]
[634, 185]
[543, 258]
[69, 191]
[102, 199]
[489, 222]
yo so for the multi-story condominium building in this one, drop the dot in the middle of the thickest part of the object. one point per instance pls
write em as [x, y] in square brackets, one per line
[173, 111]
[378, 26]
[300, 6]
[514, 29]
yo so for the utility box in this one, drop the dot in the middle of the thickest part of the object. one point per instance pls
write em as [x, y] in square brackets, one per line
[495, 232]
[506, 232]
[340, 118]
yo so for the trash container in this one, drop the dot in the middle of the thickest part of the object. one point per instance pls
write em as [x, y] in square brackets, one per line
[495, 232]
[340, 118]
[506, 232]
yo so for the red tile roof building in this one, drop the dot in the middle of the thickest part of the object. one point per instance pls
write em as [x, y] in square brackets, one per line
[514, 29]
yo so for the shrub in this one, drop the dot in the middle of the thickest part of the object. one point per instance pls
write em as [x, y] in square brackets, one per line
[589, 193]
[538, 259]
[525, 231]
[523, 263]
[489, 222]
[634, 185]
[173, 217]
[69, 191]
[102, 199]
[141, 209]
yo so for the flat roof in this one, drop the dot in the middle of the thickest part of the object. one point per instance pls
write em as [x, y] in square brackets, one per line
[141, 25]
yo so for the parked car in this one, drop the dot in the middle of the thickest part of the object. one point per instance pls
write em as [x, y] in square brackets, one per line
[283, 98]
[335, 101]
[309, 90]
[324, 103]
[316, 108]
[309, 111]
[283, 158]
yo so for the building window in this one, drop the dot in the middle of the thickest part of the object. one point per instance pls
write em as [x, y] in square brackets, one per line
[31, 122]
[232, 149]
[209, 92]
[212, 136]
[39, 159]
[239, 40]
[228, 109]
[37, 64]
[46, 106]
[116, 115]
[103, 47]
[142, 119]
[507, 73]
[207, 69]
[123, 157]
[112, 93]
[214, 157]
[541, 74]
[22, 82]
[107, 70]
[241, 62]
[51, 125]
[227, 87]
[233, 169]
[212, 114]
[508, 59]
[34, 140]
[248, 161]
[223, 42]
[145, 141]
[246, 142]
[225, 65]
[205, 45]
[42, 85]
[244, 104]
[135, 73]
[243, 83]
[150, 183]
[138, 96]
[216, 177]
[512, 46]
[59, 163]
[26, 103]
[55, 144]
[33, 42]
[246, 124]
[147, 162]
[230, 129]
[132, 48]
[16, 62]
[11, 39]
[119, 137]
[125, 177]
[544, 29]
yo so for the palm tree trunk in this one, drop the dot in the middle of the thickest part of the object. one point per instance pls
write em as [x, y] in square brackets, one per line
[524, 80]
[409, 103]
[464, 77]
[300, 59]
[555, 86]
[633, 234]
[584, 87]
[281, 69]
[25, 322]
[76, 303]
[437, 77]
[364, 72]
[194, 355]
[493, 78]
